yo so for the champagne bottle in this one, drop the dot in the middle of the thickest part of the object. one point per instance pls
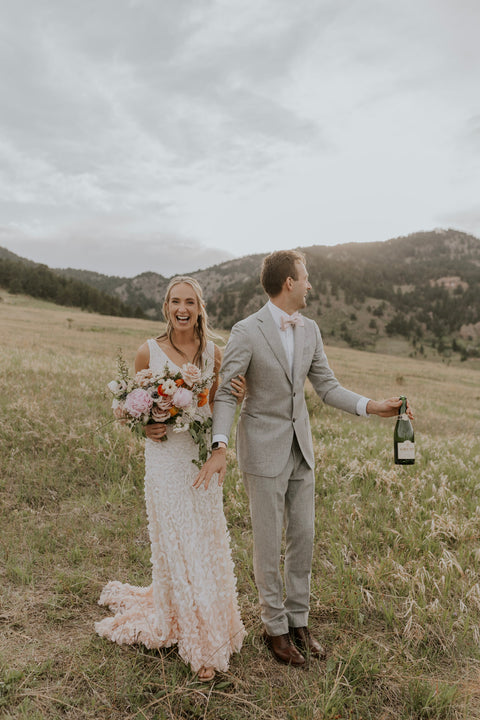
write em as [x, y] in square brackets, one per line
[403, 437]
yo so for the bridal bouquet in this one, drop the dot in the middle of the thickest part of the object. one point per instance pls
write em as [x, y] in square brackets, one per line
[171, 398]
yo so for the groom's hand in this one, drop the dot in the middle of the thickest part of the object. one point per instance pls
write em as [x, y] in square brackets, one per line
[216, 463]
[387, 408]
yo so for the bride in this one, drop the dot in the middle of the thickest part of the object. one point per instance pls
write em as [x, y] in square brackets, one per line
[192, 600]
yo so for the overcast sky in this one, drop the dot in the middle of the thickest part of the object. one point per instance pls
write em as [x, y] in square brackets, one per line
[170, 135]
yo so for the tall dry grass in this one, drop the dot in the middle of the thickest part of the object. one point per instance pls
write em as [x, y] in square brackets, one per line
[395, 584]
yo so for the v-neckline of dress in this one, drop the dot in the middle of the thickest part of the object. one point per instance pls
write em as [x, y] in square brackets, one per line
[170, 359]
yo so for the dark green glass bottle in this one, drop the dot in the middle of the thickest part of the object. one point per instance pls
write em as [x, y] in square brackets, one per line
[403, 437]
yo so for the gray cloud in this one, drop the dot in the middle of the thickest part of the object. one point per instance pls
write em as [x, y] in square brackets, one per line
[228, 122]
[469, 139]
[90, 74]
[111, 105]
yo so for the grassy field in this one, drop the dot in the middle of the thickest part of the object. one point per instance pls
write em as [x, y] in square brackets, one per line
[395, 586]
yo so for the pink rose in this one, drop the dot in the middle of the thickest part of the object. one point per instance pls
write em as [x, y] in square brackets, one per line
[138, 403]
[164, 402]
[143, 377]
[118, 410]
[191, 373]
[182, 397]
[159, 415]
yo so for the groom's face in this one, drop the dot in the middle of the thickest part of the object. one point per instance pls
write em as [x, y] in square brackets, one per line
[301, 286]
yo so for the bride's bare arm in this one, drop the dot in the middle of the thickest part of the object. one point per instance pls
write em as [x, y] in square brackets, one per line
[142, 358]
[154, 431]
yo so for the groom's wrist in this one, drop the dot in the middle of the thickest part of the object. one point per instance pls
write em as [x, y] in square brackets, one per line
[219, 445]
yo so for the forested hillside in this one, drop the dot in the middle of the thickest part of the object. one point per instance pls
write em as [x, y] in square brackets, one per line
[18, 276]
[423, 289]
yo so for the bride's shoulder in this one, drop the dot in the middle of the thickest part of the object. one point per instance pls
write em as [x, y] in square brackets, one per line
[142, 358]
[217, 358]
[215, 351]
[144, 347]
[213, 355]
[211, 349]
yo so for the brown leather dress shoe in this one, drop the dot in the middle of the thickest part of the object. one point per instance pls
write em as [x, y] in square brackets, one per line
[283, 649]
[306, 642]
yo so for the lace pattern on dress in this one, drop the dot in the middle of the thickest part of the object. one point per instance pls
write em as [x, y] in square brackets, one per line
[192, 600]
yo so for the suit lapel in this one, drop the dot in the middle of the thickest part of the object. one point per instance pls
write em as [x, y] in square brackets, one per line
[299, 342]
[270, 332]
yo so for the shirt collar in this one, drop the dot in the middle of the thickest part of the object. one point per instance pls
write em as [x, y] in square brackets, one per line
[277, 313]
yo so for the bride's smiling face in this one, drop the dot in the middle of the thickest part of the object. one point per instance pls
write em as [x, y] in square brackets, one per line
[183, 307]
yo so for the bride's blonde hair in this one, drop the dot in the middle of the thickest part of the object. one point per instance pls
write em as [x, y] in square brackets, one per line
[202, 330]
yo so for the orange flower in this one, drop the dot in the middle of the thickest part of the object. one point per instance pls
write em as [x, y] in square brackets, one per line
[173, 411]
[160, 390]
[179, 382]
[202, 398]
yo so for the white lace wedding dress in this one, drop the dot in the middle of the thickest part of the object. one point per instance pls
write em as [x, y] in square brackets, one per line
[192, 600]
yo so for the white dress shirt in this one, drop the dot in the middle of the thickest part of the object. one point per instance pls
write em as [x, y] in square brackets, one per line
[286, 336]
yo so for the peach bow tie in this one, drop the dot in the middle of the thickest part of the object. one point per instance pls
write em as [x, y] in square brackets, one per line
[295, 319]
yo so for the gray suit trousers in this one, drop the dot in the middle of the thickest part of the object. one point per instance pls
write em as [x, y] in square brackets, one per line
[286, 500]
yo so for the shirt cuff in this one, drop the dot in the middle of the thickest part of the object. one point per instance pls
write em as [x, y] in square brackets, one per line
[220, 438]
[362, 407]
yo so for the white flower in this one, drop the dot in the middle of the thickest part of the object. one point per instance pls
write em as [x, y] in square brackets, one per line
[113, 386]
[180, 425]
[169, 387]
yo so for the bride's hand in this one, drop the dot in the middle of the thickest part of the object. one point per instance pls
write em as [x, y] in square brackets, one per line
[156, 431]
[239, 387]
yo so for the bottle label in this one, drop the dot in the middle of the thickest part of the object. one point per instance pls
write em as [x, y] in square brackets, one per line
[406, 450]
[404, 416]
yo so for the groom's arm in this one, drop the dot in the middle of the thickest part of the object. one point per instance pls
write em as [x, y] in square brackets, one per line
[236, 360]
[326, 384]
[332, 393]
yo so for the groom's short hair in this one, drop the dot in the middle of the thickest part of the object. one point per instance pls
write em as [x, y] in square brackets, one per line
[277, 267]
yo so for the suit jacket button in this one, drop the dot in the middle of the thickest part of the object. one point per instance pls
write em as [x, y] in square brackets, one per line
[293, 420]
[294, 394]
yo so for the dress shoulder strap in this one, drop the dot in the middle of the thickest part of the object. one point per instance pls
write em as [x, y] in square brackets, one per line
[209, 356]
[152, 344]
[155, 351]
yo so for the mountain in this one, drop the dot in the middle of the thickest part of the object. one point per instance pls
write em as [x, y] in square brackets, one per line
[8, 255]
[146, 290]
[422, 289]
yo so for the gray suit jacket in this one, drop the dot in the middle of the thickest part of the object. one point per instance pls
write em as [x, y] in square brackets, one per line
[274, 408]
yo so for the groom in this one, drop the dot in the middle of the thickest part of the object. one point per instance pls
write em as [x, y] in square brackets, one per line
[276, 349]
